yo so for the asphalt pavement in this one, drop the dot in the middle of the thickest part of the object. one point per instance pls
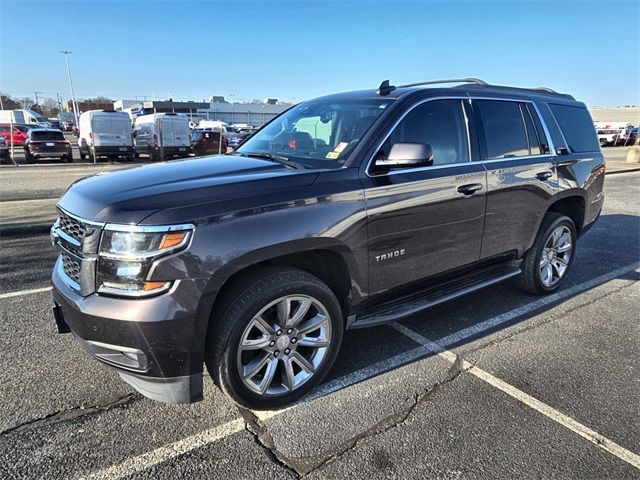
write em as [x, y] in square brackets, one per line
[498, 384]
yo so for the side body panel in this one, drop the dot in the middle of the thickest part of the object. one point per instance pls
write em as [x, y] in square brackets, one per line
[421, 225]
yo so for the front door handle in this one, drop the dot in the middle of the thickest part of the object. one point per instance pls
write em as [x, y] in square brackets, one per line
[546, 175]
[470, 189]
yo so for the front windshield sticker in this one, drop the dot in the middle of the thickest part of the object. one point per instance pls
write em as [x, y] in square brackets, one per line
[333, 155]
[340, 147]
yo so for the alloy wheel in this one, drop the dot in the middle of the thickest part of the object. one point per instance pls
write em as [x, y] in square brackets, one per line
[284, 344]
[556, 255]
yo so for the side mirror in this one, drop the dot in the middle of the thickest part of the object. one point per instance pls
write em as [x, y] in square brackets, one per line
[407, 155]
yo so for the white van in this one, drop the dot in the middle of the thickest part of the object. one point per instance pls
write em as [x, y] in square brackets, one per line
[105, 133]
[162, 135]
[22, 117]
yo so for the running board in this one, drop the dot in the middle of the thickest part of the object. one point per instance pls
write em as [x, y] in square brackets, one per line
[408, 305]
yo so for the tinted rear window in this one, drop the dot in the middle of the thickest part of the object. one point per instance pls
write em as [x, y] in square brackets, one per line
[504, 129]
[55, 136]
[577, 127]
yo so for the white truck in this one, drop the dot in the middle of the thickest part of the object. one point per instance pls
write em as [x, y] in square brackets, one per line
[22, 117]
[611, 134]
[162, 136]
[105, 133]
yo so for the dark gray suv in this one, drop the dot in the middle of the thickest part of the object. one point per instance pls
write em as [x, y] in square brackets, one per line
[345, 211]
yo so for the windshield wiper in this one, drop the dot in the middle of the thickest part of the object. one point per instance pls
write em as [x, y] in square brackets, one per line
[273, 158]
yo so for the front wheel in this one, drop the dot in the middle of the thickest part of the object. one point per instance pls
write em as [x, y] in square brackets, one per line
[275, 337]
[547, 262]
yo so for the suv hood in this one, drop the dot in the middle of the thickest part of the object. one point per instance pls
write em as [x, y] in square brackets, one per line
[128, 196]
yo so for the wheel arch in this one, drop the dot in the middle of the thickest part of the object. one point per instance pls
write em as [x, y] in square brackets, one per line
[327, 259]
[571, 203]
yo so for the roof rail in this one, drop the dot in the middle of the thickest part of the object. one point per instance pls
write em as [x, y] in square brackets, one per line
[451, 80]
[546, 89]
[385, 88]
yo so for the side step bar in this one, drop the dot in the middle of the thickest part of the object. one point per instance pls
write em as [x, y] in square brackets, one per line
[408, 305]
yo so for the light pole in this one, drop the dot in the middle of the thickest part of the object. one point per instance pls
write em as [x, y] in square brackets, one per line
[73, 97]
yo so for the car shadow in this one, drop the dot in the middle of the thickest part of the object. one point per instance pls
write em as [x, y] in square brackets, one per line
[613, 241]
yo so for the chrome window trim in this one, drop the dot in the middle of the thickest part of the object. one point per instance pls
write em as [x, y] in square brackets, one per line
[397, 122]
[552, 147]
[470, 98]
[555, 120]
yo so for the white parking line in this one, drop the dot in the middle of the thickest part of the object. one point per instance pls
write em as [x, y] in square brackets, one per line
[530, 307]
[532, 402]
[24, 292]
[147, 460]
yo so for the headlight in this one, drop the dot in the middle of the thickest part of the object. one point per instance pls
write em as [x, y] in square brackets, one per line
[127, 253]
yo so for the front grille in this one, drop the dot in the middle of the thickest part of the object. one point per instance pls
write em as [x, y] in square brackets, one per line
[78, 242]
[72, 227]
[71, 267]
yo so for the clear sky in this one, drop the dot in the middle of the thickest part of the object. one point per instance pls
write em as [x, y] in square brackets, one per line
[302, 49]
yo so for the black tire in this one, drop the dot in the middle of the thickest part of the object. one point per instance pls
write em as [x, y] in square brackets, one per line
[68, 158]
[27, 157]
[237, 309]
[530, 279]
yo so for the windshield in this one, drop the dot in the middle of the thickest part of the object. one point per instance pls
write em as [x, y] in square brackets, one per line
[318, 133]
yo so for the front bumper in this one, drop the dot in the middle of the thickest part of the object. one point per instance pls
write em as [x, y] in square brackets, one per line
[155, 344]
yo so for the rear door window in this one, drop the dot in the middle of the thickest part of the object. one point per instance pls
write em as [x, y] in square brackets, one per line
[503, 128]
[577, 127]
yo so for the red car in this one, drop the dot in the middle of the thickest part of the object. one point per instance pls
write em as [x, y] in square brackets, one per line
[20, 133]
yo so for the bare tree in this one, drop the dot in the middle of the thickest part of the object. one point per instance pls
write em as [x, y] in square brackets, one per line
[50, 108]
[9, 103]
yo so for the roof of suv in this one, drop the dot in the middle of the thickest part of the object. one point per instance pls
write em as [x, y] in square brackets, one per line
[462, 87]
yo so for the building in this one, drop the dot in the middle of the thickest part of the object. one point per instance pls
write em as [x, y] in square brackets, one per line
[256, 114]
[86, 106]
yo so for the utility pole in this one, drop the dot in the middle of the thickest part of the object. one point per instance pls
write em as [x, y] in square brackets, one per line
[36, 95]
[73, 97]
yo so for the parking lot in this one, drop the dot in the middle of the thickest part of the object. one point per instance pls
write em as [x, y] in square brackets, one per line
[498, 384]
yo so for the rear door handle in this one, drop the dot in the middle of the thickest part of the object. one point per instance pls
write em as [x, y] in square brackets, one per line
[470, 189]
[546, 175]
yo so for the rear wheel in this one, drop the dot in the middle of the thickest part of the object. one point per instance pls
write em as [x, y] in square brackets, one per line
[547, 262]
[277, 336]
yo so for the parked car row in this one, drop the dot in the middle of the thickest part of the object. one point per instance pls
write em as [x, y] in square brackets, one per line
[616, 134]
[157, 136]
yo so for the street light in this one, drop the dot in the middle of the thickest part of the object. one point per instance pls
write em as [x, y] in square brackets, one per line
[73, 97]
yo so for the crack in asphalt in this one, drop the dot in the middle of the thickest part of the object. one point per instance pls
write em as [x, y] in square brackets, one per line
[394, 420]
[300, 468]
[550, 319]
[72, 413]
[264, 439]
